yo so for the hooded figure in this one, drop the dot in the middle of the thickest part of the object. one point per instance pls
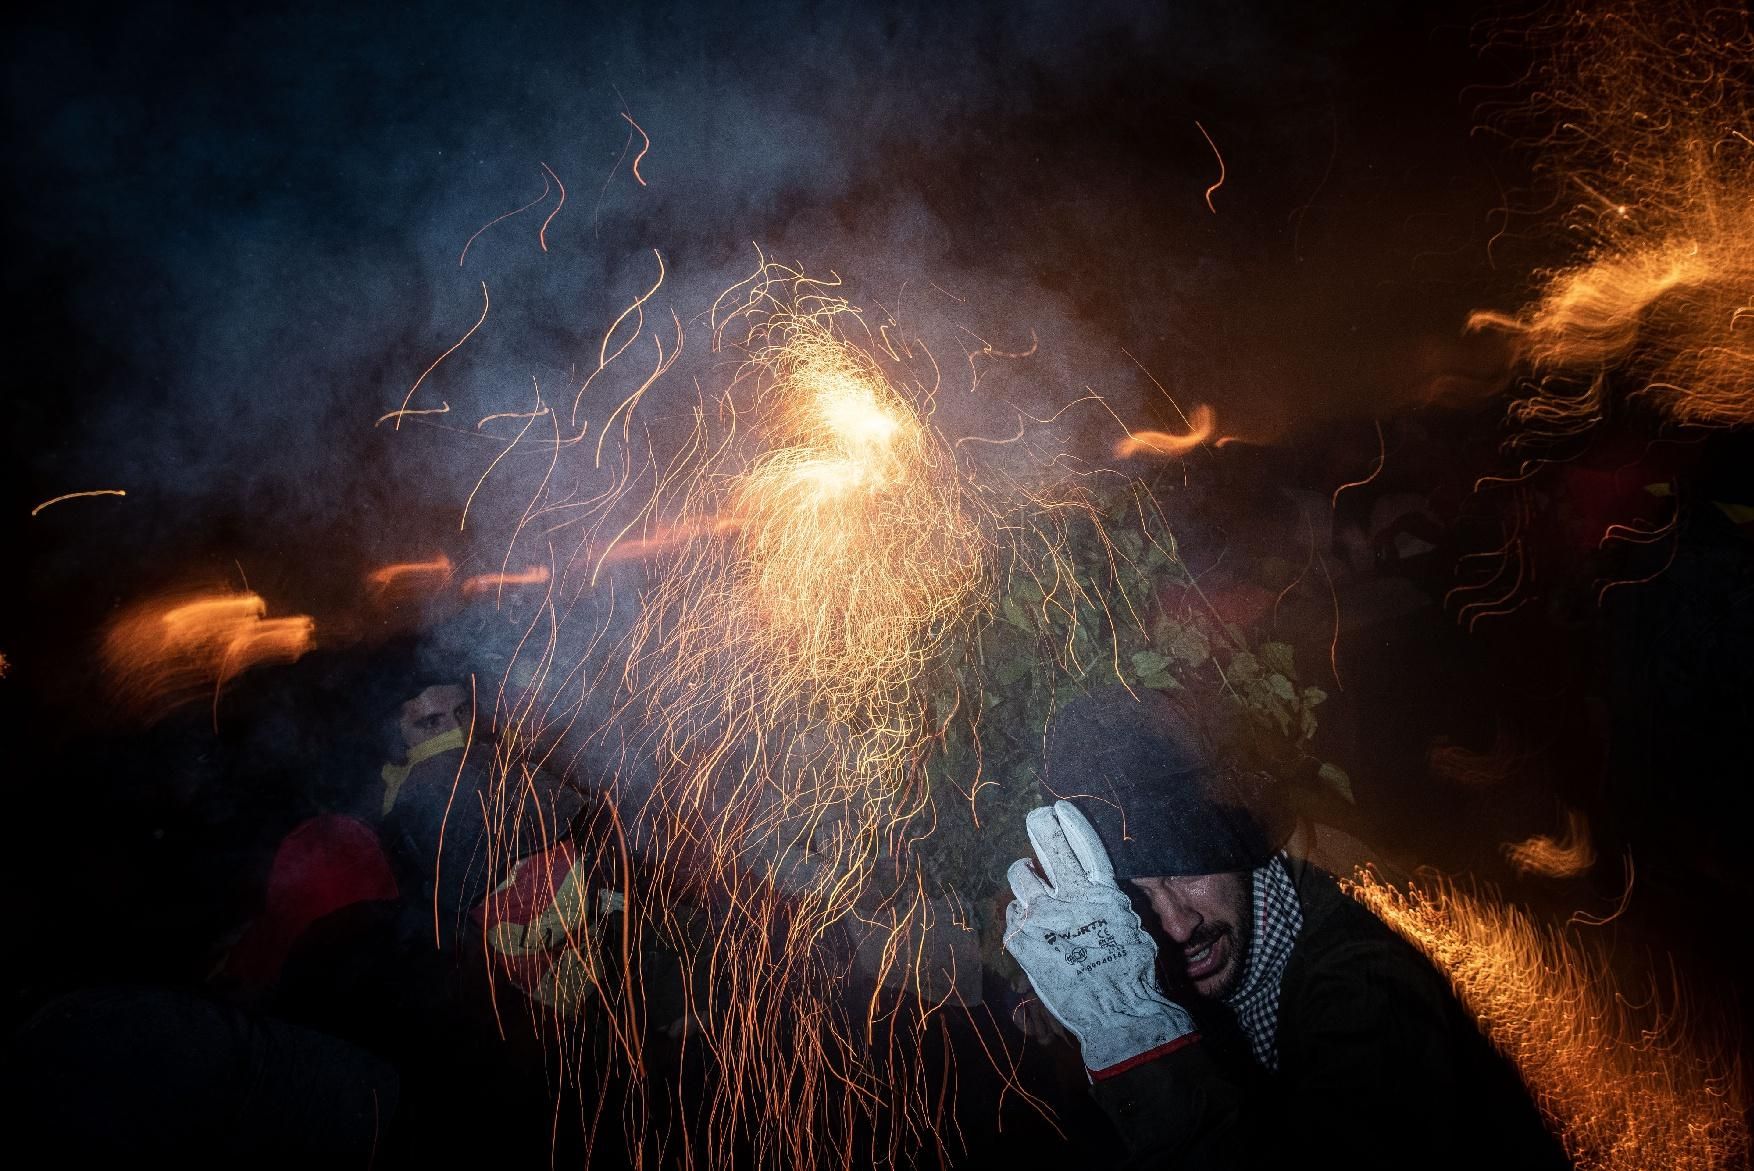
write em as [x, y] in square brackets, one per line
[1235, 1008]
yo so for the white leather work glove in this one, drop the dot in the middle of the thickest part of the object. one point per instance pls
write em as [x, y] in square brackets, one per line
[1078, 939]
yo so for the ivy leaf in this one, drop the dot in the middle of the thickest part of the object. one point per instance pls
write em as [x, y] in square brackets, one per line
[1335, 778]
[1163, 681]
[1278, 657]
[1149, 663]
[1191, 647]
[1244, 668]
[1015, 616]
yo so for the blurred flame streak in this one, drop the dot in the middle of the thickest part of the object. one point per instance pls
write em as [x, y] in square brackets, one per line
[1566, 856]
[78, 495]
[642, 150]
[1220, 159]
[169, 650]
[666, 539]
[1164, 443]
[481, 583]
[1453, 764]
[409, 397]
[546, 188]
[542, 234]
[1620, 1080]
[387, 575]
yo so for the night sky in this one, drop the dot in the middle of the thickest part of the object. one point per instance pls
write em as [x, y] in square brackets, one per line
[233, 245]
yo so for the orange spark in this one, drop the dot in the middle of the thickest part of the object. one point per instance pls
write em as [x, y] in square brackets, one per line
[76, 496]
[483, 582]
[387, 575]
[1382, 455]
[1220, 159]
[497, 219]
[542, 236]
[409, 397]
[1166, 443]
[642, 149]
[441, 409]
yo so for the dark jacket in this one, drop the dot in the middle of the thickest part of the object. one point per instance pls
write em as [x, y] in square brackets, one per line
[457, 828]
[1379, 1066]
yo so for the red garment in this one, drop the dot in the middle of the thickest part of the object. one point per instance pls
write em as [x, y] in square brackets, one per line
[326, 863]
[542, 922]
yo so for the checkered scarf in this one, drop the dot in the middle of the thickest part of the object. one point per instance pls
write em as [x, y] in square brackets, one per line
[1278, 919]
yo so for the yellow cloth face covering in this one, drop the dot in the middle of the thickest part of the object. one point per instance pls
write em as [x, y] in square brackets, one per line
[395, 774]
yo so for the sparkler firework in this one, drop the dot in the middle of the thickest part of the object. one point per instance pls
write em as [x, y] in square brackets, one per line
[795, 759]
[784, 670]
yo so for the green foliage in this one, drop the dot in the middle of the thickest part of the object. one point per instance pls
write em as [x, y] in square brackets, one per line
[1094, 596]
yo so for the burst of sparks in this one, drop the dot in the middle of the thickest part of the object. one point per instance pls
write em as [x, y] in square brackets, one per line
[1618, 1077]
[821, 561]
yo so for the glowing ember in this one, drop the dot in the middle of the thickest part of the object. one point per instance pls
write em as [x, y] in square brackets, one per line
[437, 571]
[1565, 856]
[1164, 443]
[484, 583]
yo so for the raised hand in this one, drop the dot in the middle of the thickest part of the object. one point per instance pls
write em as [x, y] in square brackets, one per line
[1077, 937]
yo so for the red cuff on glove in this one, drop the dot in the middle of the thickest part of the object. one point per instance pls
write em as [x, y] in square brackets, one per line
[1097, 1075]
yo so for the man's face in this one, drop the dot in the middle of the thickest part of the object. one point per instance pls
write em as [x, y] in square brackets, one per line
[430, 713]
[1205, 921]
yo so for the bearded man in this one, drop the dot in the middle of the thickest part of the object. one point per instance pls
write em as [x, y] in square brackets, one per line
[1234, 1008]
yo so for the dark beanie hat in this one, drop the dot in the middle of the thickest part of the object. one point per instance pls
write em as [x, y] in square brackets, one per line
[1139, 767]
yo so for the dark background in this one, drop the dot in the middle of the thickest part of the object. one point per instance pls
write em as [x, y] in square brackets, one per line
[232, 244]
